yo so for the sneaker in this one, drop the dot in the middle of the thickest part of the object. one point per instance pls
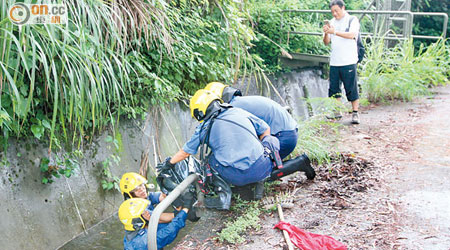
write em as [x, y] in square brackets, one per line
[355, 118]
[336, 116]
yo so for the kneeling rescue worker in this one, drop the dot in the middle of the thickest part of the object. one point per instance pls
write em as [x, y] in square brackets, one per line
[281, 123]
[134, 213]
[242, 149]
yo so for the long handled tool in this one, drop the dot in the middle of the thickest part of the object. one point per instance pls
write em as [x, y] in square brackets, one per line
[285, 234]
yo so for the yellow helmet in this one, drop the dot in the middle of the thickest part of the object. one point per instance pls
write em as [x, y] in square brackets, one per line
[200, 102]
[130, 181]
[216, 88]
[225, 92]
[130, 213]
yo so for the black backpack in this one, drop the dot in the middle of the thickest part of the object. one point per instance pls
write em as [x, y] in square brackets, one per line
[359, 45]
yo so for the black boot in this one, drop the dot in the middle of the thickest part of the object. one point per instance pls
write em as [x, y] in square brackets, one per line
[222, 200]
[259, 191]
[192, 215]
[301, 163]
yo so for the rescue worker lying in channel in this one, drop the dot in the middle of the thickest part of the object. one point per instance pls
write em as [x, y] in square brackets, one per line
[281, 123]
[241, 144]
[135, 214]
[133, 185]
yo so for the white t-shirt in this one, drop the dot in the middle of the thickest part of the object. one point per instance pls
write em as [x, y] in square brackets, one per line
[344, 51]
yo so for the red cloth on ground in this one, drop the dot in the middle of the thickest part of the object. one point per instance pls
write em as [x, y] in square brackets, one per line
[310, 241]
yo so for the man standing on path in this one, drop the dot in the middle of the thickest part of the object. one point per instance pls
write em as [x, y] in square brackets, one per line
[342, 32]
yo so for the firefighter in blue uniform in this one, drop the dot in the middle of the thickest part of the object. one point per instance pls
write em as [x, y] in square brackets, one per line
[240, 143]
[236, 138]
[281, 123]
[133, 185]
[134, 213]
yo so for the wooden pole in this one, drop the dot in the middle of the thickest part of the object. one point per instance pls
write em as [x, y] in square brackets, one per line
[286, 235]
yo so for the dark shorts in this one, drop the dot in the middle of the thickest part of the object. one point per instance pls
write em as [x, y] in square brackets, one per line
[288, 141]
[348, 75]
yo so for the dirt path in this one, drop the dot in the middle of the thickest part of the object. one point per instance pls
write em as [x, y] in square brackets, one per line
[390, 189]
[414, 139]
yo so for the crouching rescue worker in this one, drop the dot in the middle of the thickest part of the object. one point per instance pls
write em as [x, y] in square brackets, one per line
[133, 185]
[134, 213]
[281, 123]
[242, 149]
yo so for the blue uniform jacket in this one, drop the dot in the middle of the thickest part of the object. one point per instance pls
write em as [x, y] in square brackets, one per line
[231, 144]
[153, 197]
[166, 233]
[268, 110]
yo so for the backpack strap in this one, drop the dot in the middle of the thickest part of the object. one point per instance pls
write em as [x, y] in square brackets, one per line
[204, 142]
[349, 23]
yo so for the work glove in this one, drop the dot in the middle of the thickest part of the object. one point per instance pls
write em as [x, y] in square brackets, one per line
[165, 165]
[178, 202]
[188, 200]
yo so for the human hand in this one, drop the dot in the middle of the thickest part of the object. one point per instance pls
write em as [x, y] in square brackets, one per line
[188, 200]
[165, 165]
[146, 215]
[178, 202]
[330, 30]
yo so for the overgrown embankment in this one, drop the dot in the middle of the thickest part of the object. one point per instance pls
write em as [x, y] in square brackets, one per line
[62, 84]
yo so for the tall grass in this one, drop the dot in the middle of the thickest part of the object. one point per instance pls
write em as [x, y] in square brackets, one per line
[316, 138]
[76, 74]
[401, 73]
[113, 58]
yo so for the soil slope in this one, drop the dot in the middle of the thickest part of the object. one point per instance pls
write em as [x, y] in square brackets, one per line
[388, 189]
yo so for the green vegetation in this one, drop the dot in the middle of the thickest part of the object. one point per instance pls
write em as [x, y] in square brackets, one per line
[63, 165]
[317, 135]
[273, 38]
[63, 84]
[74, 80]
[401, 73]
[110, 181]
[249, 218]
[431, 26]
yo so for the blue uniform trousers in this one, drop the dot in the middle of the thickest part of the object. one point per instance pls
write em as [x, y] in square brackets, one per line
[288, 141]
[258, 171]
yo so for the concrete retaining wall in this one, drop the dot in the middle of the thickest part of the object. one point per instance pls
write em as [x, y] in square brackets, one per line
[38, 216]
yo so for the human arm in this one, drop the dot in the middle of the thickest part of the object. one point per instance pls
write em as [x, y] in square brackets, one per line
[326, 36]
[331, 30]
[189, 148]
[267, 132]
[166, 217]
[261, 127]
[155, 198]
[171, 161]
[179, 156]
[163, 218]
[162, 196]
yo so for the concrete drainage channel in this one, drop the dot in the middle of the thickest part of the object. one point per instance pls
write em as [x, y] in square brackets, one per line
[49, 211]
[108, 234]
